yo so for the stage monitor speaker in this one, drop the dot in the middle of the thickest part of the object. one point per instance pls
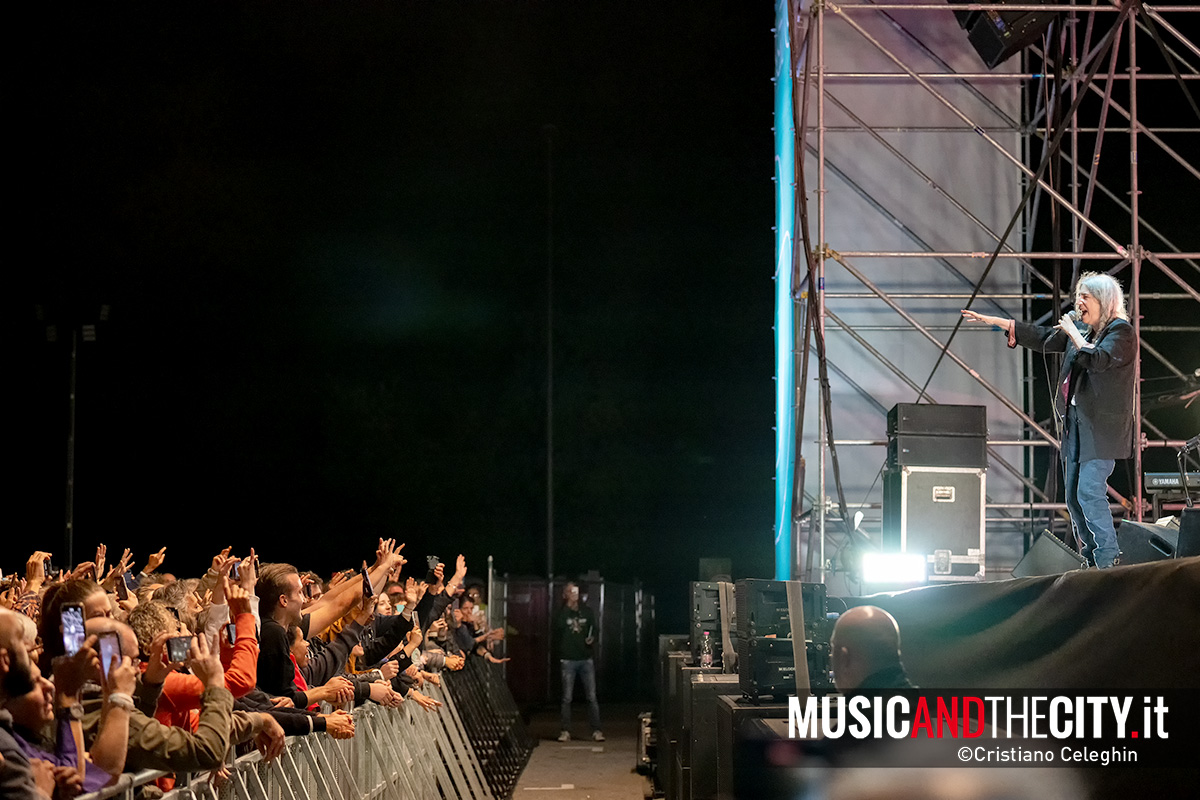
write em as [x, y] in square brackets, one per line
[1189, 534]
[999, 35]
[1048, 556]
[1141, 542]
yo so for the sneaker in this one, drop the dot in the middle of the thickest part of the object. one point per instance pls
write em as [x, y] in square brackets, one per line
[597, 736]
[564, 736]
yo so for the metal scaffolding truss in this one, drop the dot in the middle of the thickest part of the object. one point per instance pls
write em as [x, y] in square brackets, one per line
[1068, 109]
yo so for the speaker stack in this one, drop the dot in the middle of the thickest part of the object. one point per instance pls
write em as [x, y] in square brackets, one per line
[934, 486]
[766, 660]
[998, 35]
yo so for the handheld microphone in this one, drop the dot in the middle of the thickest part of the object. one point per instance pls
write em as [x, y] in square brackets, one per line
[1073, 314]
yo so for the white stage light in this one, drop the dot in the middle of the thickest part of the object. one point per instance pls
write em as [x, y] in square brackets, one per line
[893, 568]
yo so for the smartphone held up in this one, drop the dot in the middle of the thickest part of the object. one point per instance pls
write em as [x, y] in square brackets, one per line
[110, 648]
[73, 631]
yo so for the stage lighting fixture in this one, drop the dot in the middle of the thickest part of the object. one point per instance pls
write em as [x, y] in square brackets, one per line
[893, 568]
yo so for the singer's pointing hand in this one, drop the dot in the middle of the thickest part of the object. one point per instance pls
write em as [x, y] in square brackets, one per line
[984, 318]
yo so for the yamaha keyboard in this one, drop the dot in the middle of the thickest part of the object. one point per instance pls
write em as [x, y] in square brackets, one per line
[1165, 481]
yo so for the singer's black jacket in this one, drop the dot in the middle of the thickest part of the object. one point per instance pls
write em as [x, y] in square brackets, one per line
[1102, 384]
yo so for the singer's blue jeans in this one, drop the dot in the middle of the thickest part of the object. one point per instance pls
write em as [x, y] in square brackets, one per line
[1087, 499]
[586, 669]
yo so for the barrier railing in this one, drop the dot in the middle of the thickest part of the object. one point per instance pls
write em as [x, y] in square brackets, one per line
[492, 723]
[473, 748]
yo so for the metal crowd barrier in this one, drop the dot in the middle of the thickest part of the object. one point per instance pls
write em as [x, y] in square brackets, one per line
[492, 722]
[473, 748]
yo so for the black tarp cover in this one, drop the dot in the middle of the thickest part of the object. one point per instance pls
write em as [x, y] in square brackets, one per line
[1131, 627]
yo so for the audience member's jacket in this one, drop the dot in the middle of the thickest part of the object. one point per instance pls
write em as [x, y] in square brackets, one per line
[181, 692]
[153, 745]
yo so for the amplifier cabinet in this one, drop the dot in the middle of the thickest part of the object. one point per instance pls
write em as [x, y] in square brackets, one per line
[762, 608]
[706, 690]
[937, 512]
[734, 717]
[766, 666]
[674, 737]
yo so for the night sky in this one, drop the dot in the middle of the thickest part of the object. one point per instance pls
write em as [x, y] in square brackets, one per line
[322, 232]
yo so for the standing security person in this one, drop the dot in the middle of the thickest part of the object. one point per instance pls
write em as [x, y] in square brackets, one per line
[574, 633]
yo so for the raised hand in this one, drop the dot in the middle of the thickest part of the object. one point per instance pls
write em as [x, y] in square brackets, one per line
[155, 561]
[71, 672]
[384, 551]
[116, 572]
[248, 572]
[222, 560]
[122, 676]
[157, 666]
[366, 610]
[237, 598]
[101, 552]
[84, 570]
[35, 569]
[460, 574]
[205, 664]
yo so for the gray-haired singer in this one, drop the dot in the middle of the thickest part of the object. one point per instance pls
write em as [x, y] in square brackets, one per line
[1093, 403]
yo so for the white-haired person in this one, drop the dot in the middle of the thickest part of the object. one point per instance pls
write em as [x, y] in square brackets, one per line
[1093, 400]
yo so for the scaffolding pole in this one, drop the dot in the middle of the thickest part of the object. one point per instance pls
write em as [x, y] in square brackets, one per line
[1085, 186]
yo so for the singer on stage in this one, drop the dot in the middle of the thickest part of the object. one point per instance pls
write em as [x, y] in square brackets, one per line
[1093, 402]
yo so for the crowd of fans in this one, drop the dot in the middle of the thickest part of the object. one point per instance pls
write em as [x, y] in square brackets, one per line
[104, 669]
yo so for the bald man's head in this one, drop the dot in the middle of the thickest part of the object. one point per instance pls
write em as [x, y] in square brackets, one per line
[866, 639]
[129, 641]
[16, 673]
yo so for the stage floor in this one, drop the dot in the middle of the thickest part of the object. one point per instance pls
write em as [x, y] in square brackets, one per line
[582, 768]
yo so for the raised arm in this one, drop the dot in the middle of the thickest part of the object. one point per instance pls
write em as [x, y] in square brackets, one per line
[338, 601]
